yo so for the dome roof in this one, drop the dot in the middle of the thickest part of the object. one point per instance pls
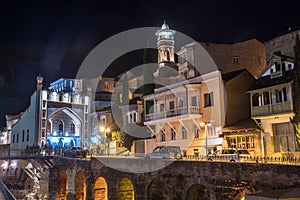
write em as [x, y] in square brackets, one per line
[165, 26]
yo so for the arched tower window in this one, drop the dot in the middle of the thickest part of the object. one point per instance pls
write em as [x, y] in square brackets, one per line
[72, 128]
[60, 128]
[49, 127]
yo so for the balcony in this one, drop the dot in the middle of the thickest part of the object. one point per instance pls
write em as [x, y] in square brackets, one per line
[278, 108]
[173, 113]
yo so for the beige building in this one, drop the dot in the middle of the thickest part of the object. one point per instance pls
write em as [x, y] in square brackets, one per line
[272, 107]
[204, 96]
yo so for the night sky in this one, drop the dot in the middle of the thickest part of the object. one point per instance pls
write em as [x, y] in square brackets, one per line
[52, 38]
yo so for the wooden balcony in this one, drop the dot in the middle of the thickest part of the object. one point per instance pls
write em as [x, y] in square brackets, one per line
[278, 108]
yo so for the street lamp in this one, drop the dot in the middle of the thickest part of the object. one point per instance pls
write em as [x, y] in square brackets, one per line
[205, 125]
[105, 130]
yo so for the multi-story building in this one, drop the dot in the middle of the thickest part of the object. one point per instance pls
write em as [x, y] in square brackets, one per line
[196, 105]
[56, 117]
[272, 106]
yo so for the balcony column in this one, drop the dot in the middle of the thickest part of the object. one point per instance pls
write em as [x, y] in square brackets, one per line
[251, 103]
[270, 100]
[165, 105]
[187, 99]
[290, 97]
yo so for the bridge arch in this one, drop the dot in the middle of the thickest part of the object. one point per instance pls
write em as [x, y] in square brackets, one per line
[80, 186]
[125, 189]
[156, 190]
[62, 180]
[197, 192]
[100, 189]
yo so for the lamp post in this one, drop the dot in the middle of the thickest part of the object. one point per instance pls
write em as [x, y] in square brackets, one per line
[205, 125]
[105, 130]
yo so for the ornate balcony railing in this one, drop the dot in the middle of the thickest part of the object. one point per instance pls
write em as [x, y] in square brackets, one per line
[173, 112]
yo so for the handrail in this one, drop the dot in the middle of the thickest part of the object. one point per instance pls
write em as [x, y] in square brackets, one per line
[6, 192]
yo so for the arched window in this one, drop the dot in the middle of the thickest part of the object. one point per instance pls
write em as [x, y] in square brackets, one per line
[49, 127]
[255, 100]
[60, 127]
[72, 128]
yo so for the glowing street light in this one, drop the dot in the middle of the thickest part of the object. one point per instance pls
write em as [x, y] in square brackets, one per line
[205, 125]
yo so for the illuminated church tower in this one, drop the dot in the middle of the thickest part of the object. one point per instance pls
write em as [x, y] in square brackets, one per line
[165, 45]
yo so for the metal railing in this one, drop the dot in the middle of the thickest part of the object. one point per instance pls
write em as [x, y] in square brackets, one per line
[291, 160]
[6, 192]
[173, 112]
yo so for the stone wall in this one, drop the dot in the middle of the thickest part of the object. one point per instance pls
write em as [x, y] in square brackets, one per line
[179, 180]
[284, 43]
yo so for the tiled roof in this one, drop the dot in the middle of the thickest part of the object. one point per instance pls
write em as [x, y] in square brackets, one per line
[241, 125]
[228, 76]
[267, 81]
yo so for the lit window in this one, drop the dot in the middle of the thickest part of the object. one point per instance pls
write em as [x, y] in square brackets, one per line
[106, 86]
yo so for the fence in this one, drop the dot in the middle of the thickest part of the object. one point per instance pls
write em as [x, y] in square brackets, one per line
[249, 159]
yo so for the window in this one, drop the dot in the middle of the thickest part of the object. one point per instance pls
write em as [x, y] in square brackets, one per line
[72, 128]
[23, 136]
[163, 136]
[196, 131]
[208, 99]
[49, 127]
[235, 59]
[173, 134]
[241, 142]
[266, 99]
[194, 101]
[180, 103]
[281, 95]
[232, 142]
[13, 138]
[60, 127]
[210, 131]
[161, 107]
[171, 105]
[277, 67]
[18, 138]
[106, 86]
[284, 137]
[183, 132]
[255, 100]
[27, 139]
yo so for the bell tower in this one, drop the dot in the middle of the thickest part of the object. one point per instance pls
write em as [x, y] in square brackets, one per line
[165, 45]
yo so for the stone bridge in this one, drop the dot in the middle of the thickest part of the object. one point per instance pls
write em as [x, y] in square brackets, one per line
[94, 179]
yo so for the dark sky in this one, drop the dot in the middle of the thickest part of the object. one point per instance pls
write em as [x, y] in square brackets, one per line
[53, 37]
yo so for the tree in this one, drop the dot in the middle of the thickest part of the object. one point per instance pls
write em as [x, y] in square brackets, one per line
[296, 119]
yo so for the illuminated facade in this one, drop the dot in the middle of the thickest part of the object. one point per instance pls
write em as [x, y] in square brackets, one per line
[56, 117]
[192, 110]
[272, 107]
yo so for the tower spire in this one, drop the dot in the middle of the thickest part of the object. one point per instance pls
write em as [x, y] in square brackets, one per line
[165, 44]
